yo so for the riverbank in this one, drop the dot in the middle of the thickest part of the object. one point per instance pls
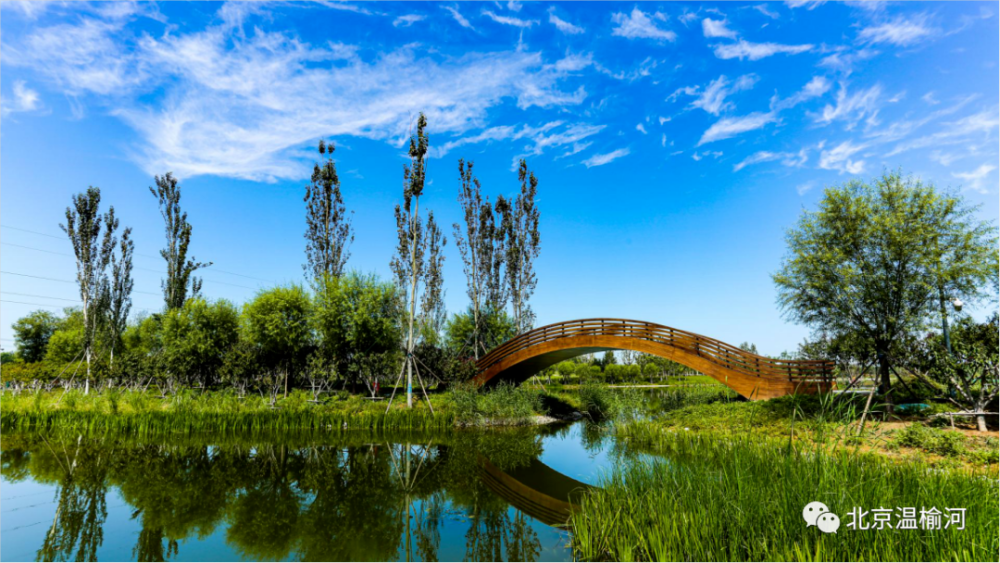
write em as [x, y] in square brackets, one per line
[226, 413]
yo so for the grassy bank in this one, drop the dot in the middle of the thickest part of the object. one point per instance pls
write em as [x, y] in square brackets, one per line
[224, 412]
[720, 496]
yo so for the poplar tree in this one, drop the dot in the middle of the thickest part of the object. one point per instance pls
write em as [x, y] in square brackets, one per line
[408, 264]
[523, 246]
[83, 226]
[119, 290]
[432, 311]
[178, 231]
[328, 226]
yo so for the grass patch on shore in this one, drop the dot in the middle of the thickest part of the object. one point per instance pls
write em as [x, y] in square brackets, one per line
[739, 497]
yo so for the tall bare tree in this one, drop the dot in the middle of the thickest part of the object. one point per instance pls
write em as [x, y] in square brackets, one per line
[408, 263]
[481, 249]
[328, 225]
[83, 226]
[119, 291]
[523, 246]
[432, 313]
[178, 231]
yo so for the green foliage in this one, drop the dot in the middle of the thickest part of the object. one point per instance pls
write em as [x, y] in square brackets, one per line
[276, 323]
[504, 404]
[941, 442]
[496, 327]
[67, 342]
[357, 321]
[180, 268]
[726, 497]
[895, 242]
[196, 338]
[328, 227]
[32, 333]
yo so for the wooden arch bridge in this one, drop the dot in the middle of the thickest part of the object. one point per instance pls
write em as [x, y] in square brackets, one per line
[750, 375]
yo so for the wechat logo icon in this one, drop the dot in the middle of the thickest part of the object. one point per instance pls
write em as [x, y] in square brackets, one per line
[818, 514]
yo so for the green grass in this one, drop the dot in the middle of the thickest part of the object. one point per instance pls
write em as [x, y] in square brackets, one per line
[720, 496]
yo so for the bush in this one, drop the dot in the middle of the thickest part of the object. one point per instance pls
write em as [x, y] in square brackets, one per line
[504, 404]
[941, 442]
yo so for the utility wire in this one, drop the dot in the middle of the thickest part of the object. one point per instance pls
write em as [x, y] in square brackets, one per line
[40, 296]
[137, 253]
[64, 281]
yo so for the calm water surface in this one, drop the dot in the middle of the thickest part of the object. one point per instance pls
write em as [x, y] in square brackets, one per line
[475, 495]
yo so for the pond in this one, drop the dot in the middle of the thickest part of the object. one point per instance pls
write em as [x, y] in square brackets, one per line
[470, 495]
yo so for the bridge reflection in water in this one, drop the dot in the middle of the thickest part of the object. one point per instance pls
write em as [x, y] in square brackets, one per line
[535, 489]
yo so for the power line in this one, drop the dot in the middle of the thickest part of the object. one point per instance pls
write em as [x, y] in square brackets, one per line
[33, 304]
[137, 254]
[64, 281]
[40, 296]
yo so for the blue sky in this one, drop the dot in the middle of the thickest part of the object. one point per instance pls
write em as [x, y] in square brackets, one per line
[674, 142]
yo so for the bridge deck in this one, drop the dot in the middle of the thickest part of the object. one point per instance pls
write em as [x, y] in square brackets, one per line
[751, 375]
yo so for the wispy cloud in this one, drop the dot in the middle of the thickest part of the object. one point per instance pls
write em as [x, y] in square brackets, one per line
[732, 126]
[25, 99]
[563, 25]
[787, 158]
[976, 178]
[762, 8]
[602, 159]
[640, 25]
[458, 17]
[852, 108]
[716, 28]
[841, 158]
[508, 20]
[900, 31]
[408, 20]
[978, 126]
[713, 97]
[755, 51]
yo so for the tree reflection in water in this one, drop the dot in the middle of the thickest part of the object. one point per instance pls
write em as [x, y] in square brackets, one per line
[349, 497]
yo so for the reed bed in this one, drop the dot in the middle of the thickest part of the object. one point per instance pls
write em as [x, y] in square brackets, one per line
[217, 412]
[737, 497]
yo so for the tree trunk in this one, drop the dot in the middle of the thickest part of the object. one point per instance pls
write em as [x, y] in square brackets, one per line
[981, 422]
[885, 383]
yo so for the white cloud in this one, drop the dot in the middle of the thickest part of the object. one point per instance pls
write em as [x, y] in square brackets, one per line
[901, 32]
[408, 20]
[641, 128]
[602, 159]
[663, 140]
[807, 4]
[805, 187]
[756, 51]
[459, 17]
[713, 97]
[25, 99]
[852, 108]
[663, 120]
[786, 158]
[507, 20]
[732, 126]
[929, 98]
[977, 177]
[563, 25]
[244, 106]
[762, 8]
[514, 6]
[716, 28]
[844, 62]
[840, 158]
[979, 125]
[639, 25]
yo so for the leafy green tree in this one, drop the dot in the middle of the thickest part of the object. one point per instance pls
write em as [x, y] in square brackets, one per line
[179, 267]
[357, 318]
[523, 246]
[66, 343]
[496, 327]
[868, 261]
[32, 333]
[276, 323]
[432, 313]
[196, 337]
[328, 226]
[84, 226]
[749, 347]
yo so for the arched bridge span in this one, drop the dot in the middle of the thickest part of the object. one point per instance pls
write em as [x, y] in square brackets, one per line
[750, 375]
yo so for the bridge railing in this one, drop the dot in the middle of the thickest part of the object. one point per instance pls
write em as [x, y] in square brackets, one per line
[716, 351]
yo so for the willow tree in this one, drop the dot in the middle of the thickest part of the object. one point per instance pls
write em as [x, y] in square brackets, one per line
[523, 246]
[408, 265]
[328, 226]
[84, 226]
[481, 246]
[869, 263]
[179, 267]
